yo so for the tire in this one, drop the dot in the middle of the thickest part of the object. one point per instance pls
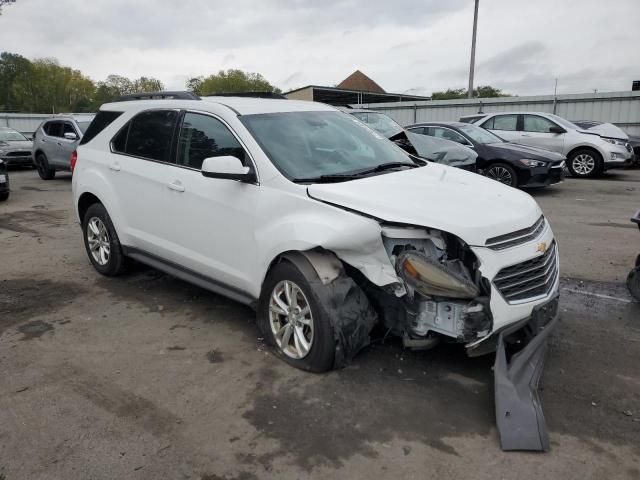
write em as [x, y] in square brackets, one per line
[315, 328]
[45, 170]
[585, 163]
[503, 173]
[101, 242]
[633, 283]
[4, 196]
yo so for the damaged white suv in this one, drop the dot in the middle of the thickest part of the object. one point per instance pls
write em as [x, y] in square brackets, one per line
[322, 224]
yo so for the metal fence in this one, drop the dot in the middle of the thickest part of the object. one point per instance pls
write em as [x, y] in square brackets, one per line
[619, 108]
[25, 123]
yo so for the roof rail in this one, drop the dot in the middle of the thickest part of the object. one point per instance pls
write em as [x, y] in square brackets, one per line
[158, 96]
[251, 94]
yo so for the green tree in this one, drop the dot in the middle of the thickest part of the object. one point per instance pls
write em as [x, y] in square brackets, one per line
[230, 81]
[485, 91]
[14, 69]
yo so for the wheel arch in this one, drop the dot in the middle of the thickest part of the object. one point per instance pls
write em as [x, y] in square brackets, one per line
[85, 201]
[586, 147]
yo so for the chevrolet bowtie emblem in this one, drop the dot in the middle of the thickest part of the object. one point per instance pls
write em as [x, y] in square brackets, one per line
[542, 247]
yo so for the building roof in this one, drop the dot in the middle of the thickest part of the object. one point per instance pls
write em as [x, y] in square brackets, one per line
[360, 82]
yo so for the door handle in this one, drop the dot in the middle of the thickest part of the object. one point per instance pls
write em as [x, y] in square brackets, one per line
[59, 144]
[176, 185]
[525, 135]
[115, 167]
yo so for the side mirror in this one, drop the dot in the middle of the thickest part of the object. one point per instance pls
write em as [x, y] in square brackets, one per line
[70, 136]
[557, 129]
[227, 167]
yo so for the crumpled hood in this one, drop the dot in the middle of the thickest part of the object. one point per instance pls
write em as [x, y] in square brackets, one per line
[465, 204]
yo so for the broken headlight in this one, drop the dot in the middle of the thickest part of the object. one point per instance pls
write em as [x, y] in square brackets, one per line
[432, 278]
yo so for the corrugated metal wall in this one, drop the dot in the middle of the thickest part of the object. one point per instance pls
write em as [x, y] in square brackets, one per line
[620, 108]
[26, 123]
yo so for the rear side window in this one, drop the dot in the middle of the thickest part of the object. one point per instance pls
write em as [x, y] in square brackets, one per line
[502, 122]
[53, 129]
[202, 136]
[148, 135]
[101, 121]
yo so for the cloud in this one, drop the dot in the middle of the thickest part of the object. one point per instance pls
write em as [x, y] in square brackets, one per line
[403, 45]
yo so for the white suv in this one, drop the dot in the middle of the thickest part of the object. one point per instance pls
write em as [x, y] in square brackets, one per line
[588, 154]
[322, 224]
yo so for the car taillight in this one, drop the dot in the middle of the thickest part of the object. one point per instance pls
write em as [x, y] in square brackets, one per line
[74, 159]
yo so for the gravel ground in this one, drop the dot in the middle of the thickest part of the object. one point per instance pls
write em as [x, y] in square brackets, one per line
[147, 377]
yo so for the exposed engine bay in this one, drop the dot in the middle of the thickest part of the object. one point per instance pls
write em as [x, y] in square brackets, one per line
[445, 293]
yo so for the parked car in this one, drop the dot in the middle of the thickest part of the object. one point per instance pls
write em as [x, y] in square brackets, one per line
[435, 150]
[508, 163]
[326, 228]
[4, 181]
[15, 148]
[588, 153]
[54, 141]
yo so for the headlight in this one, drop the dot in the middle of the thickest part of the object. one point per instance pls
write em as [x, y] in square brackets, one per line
[532, 163]
[431, 278]
[614, 141]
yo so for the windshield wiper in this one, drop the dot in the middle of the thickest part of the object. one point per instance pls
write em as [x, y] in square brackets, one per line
[337, 177]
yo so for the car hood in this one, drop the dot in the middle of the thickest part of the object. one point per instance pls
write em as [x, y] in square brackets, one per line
[518, 152]
[16, 144]
[607, 130]
[465, 204]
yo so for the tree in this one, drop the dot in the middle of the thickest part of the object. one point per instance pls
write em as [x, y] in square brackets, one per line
[485, 91]
[230, 81]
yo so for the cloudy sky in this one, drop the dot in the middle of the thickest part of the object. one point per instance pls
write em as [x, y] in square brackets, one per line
[407, 46]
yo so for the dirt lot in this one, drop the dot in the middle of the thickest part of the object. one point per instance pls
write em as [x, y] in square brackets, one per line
[147, 377]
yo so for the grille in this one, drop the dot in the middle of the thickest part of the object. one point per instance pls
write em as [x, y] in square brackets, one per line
[518, 237]
[18, 154]
[529, 279]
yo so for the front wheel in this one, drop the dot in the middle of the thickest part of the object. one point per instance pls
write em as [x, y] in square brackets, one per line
[101, 241]
[293, 321]
[45, 170]
[633, 283]
[584, 163]
[502, 173]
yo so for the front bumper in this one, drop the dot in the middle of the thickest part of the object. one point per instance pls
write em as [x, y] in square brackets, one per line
[17, 160]
[544, 176]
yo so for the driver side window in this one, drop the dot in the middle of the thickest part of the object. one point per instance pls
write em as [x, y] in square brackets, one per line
[202, 136]
[449, 135]
[534, 123]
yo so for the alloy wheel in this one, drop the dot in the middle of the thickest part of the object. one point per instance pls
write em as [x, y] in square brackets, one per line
[291, 319]
[501, 175]
[583, 164]
[99, 241]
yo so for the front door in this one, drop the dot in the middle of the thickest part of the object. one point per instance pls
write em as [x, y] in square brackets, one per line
[536, 132]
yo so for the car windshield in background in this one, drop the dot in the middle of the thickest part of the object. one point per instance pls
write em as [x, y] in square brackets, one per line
[11, 136]
[480, 135]
[307, 145]
[563, 122]
[379, 122]
[83, 126]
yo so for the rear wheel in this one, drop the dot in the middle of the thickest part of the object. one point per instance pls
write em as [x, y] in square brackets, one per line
[45, 170]
[503, 173]
[4, 196]
[101, 241]
[585, 163]
[293, 321]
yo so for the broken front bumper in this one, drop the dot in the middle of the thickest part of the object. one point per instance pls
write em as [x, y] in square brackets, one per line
[519, 414]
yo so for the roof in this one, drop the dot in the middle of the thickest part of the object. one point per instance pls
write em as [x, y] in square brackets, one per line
[437, 122]
[242, 105]
[360, 82]
[342, 96]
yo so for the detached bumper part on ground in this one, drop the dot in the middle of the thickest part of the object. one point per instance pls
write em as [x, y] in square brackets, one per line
[519, 416]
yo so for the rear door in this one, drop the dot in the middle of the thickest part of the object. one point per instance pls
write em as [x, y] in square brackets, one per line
[138, 171]
[47, 140]
[210, 222]
[503, 125]
[535, 132]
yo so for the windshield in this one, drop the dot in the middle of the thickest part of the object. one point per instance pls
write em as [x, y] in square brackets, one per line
[379, 122]
[83, 126]
[11, 136]
[311, 144]
[563, 122]
[479, 135]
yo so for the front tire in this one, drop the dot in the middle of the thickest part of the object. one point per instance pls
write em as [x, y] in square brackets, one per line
[633, 283]
[293, 320]
[585, 163]
[4, 196]
[503, 173]
[101, 241]
[45, 170]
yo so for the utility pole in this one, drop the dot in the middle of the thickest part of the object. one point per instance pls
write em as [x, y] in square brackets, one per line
[473, 50]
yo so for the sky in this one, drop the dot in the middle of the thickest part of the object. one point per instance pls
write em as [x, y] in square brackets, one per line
[406, 46]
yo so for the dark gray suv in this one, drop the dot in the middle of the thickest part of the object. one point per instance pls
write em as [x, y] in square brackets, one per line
[54, 141]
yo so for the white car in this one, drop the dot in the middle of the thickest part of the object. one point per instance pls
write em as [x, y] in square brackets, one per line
[588, 153]
[322, 224]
